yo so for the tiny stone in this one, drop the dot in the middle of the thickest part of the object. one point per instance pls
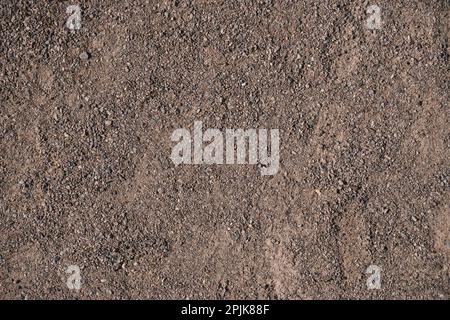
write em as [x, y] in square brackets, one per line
[84, 56]
[447, 243]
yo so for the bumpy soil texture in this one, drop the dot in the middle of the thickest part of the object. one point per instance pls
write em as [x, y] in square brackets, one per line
[86, 177]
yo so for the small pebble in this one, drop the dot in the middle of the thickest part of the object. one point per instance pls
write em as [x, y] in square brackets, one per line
[84, 56]
[447, 243]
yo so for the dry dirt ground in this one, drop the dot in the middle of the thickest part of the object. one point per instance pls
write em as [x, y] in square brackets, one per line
[86, 177]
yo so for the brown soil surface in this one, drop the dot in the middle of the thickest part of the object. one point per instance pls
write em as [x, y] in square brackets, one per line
[85, 171]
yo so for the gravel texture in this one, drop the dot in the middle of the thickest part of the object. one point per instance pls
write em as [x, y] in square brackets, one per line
[86, 177]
